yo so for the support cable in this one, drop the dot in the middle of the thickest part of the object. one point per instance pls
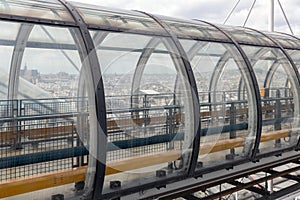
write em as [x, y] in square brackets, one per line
[285, 17]
[232, 10]
[250, 11]
[61, 50]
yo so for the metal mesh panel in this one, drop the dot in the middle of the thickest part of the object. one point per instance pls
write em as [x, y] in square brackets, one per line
[152, 125]
[34, 107]
[32, 143]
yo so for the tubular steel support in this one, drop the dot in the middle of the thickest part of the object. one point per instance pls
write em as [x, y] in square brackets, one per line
[294, 67]
[138, 73]
[191, 54]
[20, 45]
[98, 147]
[218, 72]
[194, 93]
[141, 65]
[270, 74]
[258, 115]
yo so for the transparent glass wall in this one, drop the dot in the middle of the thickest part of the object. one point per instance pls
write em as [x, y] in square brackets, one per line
[44, 107]
[9, 33]
[149, 121]
[279, 93]
[225, 114]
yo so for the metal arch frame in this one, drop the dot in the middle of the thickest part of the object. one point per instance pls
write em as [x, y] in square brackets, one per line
[97, 83]
[296, 38]
[287, 81]
[291, 61]
[21, 41]
[191, 54]
[258, 54]
[144, 57]
[294, 67]
[140, 67]
[17, 57]
[216, 75]
[270, 74]
[256, 94]
[218, 70]
[194, 93]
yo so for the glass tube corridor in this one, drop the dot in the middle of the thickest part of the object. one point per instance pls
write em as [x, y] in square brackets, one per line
[118, 101]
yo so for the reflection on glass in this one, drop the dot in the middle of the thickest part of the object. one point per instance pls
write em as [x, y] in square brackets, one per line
[42, 107]
[148, 107]
[193, 28]
[278, 88]
[226, 108]
[50, 9]
[247, 36]
[106, 17]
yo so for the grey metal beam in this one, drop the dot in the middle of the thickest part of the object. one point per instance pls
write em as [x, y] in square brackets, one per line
[190, 197]
[283, 192]
[258, 190]
[287, 176]
[98, 137]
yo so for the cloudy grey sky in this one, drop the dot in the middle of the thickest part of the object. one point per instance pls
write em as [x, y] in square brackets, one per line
[214, 11]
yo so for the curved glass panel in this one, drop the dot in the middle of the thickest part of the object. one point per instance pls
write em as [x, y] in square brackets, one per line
[280, 97]
[285, 40]
[247, 36]
[106, 17]
[193, 28]
[44, 103]
[7, 38]
[150, 129]
[226, 117]
[43, 9]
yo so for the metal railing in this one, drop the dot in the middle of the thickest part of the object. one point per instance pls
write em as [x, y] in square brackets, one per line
[46, 130]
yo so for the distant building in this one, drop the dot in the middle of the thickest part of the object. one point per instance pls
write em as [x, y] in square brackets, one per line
[31, 75]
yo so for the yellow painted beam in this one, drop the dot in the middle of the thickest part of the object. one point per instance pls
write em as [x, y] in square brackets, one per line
[38, 182]
[141, 161]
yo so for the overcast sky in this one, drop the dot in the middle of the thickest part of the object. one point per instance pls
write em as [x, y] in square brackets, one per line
[214, 11]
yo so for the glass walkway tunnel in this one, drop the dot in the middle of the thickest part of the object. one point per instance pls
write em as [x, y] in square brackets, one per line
[123, 101]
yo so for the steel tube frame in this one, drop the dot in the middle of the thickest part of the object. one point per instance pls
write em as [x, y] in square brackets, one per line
[100, 142]
[194, 93]
[256, 97]
[88, 49]
[146, 54]
[258, 54]
[218, 71]
[294, 67]
[17, 56]
[140, 67]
